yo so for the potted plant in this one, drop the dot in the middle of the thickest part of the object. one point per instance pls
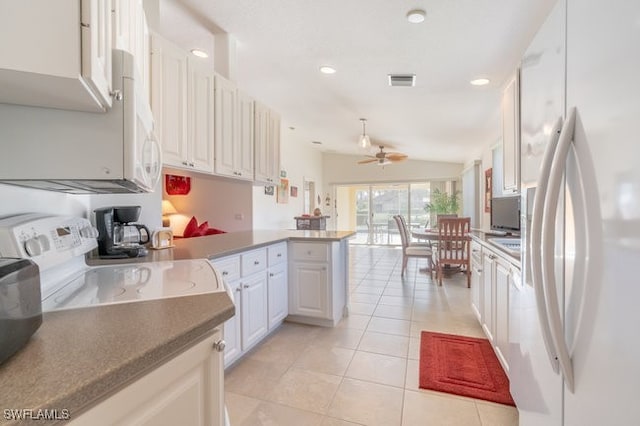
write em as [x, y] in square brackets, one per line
[442, 203]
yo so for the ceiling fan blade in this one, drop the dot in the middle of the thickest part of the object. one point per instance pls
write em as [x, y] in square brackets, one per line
[396, 156]
[368, 160]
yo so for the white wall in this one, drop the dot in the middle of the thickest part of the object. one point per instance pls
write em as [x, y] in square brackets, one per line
[301, 161]
[338, 168]
[224, 203]
[16, 200]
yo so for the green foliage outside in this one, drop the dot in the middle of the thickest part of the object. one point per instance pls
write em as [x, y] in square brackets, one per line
[443, 203]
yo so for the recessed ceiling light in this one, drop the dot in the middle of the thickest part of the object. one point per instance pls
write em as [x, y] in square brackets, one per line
[416, 16]
[326, 69]
[199, 53]
[480, 81]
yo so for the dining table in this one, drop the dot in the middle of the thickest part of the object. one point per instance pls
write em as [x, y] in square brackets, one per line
[428, 234]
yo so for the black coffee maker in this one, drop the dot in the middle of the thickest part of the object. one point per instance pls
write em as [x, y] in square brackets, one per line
[118, 236]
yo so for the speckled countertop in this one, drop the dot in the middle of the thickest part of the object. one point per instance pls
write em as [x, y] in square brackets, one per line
[79, 357]
[484, 238]
[213, 246]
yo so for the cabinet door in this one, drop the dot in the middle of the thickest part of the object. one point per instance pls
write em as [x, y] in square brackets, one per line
[476, 280]
[225, 132]
[488, 261]
[261, 141]
[254, 309]
[96, 47]
[201, 117]
[141, 46]
[278, 294]
[233, 327]
[121, 24]
[243, 156]
[274, 146]
[511, 137]
[502, 279]
[187, 390]
[309, 290]
[169, 100]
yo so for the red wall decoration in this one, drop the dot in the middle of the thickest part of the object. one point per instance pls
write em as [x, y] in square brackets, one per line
[177, 185]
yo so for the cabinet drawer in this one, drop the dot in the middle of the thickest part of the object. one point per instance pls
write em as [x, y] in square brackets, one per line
[229, 267]
[311, 252]
[277, 253]
[254, 261]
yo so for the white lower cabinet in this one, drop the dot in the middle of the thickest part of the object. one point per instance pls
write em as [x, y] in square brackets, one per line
[497, 275]
[310, 290]
[501, 341]
[254, 309]
[476, 280]
[278, 294]
[258, 280]
[186, 390]
[318, 282]
[488, 292]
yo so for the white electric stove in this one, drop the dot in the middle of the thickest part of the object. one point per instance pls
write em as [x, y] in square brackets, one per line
[58, 245]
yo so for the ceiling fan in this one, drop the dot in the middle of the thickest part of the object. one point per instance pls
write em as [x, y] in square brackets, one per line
[383, 158]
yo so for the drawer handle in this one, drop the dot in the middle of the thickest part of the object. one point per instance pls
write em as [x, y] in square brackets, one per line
[256, 262]
[238, 290]
[219, 345]
[279, 255]
[309, 252]
[225, 273]
[271, 274]
[246, 286]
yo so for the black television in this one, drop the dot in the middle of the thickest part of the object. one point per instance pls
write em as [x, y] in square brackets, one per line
[505, 214]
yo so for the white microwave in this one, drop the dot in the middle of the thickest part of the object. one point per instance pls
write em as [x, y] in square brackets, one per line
[84, 152]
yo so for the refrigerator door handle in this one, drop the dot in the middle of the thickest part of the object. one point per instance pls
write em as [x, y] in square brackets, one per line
[535, 243]
[548, 243]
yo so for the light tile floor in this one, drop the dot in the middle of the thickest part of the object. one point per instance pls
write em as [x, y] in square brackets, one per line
[365, 370]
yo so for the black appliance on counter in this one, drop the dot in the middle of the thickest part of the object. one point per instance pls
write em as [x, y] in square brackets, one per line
[118, 236]
[20, 304]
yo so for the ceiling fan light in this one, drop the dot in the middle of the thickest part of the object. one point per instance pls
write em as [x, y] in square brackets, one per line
[364, 142]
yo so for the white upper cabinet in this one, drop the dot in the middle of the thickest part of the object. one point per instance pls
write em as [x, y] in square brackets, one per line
[511, 136]
[245, 135]
[58, 55]
[169, 100]
[130, 32]
[234, 131]
[183, 105]
[267, 145]
[225, 126]
[201, 114]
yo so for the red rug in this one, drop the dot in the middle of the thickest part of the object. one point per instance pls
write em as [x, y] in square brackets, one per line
[464, 366]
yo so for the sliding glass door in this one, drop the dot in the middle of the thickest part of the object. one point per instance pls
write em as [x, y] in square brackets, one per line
[369, 209]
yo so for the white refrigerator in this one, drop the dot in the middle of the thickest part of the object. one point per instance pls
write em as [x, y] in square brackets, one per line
[575, 321]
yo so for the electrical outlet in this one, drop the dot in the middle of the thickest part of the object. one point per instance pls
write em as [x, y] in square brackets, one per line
[239, 216]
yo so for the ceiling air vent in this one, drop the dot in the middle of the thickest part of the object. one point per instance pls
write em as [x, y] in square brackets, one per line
[402, 80]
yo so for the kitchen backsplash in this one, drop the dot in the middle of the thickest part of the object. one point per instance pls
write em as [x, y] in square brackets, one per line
[17, 200]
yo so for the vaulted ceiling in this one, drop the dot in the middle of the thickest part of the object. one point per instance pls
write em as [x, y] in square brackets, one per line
[282, 43]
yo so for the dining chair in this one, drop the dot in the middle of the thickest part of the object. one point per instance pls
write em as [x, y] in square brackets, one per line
[444, 216]
[454, 245]
[412, 249]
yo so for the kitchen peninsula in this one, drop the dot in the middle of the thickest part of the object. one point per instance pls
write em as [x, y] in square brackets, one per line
[80, 359]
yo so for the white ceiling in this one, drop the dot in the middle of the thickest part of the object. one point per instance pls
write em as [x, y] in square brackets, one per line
[282, 43]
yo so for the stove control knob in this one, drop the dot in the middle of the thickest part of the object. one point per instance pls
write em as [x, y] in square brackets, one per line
[33, 247]
[219, 345]
[89, 232]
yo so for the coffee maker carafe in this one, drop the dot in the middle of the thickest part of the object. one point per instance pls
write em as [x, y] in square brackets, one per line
[118, 236]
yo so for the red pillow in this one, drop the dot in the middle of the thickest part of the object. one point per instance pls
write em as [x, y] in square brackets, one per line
[213, 231]
[202, 229]
[191, 228]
